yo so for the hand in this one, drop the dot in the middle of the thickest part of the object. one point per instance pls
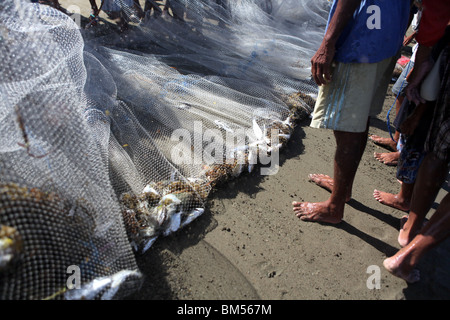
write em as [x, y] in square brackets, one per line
[415, 79]
[321, 63]
[407, 40]
[412, 91]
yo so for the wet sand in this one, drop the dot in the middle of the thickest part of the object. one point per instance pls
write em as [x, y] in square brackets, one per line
[250, 245]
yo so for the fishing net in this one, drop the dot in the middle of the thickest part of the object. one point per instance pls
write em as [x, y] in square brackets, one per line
[111, 140]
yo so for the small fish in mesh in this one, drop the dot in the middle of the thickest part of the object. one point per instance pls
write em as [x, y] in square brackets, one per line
[11, 245]
[26, 140]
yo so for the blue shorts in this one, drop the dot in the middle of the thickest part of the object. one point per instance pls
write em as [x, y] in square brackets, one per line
[409, 162]
[401, 82]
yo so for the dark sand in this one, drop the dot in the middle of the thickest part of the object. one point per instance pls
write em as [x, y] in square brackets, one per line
[250, 245]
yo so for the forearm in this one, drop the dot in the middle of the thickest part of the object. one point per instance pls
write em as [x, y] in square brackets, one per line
[323, 58]
[342, 15]
[421, 65]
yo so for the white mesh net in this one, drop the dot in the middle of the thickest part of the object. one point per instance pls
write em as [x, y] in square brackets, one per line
[108, 141]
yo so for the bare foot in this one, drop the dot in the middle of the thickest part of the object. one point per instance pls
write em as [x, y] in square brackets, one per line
[405, 236]
[388, 158]
[399, 268]
[391, 200]
[317, 212]
[403, 221]
[325, 181]
[384, 142]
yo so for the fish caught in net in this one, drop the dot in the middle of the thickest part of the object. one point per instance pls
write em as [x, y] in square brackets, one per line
[110, 140]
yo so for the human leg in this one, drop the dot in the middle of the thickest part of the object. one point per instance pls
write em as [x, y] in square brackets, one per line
[402, 264]
[343, 109]
[400, 201]
[387, 158]
[389, 143]
[431, 175]
[327, 182]
[408, 163]
[346, 163]
[397, 90]
[407, 168]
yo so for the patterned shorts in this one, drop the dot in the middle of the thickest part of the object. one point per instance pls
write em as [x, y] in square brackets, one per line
[409, 162]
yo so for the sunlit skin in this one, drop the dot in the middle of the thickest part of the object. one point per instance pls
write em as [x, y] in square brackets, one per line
[346, 160]
[319, 211]
[400, 201]
[385, 142]
[387, 158]
[429, 180]
[326, 182]
[403, 263]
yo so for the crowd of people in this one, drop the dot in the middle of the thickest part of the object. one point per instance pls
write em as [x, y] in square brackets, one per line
[124, 11]
[357, 54]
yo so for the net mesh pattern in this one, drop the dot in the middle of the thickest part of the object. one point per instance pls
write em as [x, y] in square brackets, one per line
[109, 141]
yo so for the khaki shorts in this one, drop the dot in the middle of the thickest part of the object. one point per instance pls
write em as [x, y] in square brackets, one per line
[355, 93]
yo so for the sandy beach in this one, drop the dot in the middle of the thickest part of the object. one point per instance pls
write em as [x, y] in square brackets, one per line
[250, 245]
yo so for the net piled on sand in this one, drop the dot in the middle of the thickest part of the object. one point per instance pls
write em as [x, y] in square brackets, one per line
[108, 142]
[58, 209]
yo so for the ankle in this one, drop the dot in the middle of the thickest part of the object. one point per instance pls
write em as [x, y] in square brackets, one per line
[336, 207]
[410, 230]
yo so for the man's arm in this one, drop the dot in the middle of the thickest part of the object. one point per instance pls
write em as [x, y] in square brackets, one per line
[321, 61]
[422, 66]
